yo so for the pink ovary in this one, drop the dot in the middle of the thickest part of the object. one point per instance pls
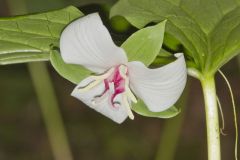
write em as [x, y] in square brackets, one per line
[119, 84]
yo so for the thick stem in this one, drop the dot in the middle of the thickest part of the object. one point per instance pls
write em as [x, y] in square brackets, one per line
[211, 109]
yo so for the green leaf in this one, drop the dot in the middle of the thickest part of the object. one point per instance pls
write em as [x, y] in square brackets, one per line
[208, 29]
[141, 109]
[145, 44]
[30, 37]
[73, 73]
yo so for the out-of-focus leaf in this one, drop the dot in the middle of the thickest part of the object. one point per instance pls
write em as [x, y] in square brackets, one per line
[120, 24]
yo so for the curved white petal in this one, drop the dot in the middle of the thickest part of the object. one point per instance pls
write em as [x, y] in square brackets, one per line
[118, 114]
[159, 88]
[87, 42]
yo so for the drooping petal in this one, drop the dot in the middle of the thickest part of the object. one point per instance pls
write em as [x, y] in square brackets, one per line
[159, 88]
[87, 42]
[103, 106]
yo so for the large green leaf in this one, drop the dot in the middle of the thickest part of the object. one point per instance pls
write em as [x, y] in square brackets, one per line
[208, 29]
[29, 38]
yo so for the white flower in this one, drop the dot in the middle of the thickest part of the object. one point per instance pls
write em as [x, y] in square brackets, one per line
[112, 89]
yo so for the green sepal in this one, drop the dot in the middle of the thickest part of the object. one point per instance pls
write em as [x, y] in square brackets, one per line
[72, 72]
[145, 44]
[141, 109]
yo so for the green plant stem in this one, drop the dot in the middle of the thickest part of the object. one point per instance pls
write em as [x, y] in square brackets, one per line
[50, 111]
[46, 97]
[211, 110]
[171, 131]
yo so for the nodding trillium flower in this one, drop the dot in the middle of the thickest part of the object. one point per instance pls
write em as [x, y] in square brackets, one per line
[116, 82]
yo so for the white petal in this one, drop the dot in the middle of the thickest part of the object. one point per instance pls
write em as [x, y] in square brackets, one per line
[118, 114]
[159, 88]
[87, 42]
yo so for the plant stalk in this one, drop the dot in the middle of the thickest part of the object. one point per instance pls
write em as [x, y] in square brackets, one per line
[211, 110]
[50, 111]
[46, 96]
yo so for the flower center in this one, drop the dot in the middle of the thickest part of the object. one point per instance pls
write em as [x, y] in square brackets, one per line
[116, 82]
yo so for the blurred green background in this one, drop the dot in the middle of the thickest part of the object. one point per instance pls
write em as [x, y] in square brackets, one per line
[91, 136]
